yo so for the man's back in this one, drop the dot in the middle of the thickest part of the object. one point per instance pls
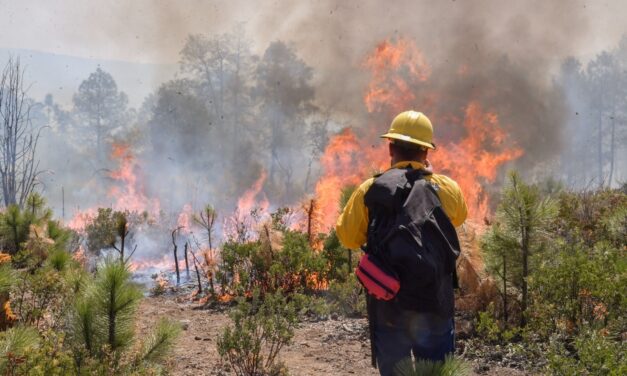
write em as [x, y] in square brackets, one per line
[352, 225]
[420, 319]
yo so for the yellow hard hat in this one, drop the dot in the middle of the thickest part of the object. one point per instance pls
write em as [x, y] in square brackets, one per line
[412, 126]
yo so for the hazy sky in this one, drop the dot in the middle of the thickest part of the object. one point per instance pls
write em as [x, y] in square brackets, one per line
[332, 36]
[153, 31]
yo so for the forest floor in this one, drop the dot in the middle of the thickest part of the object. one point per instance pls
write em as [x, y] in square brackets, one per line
[336, 346]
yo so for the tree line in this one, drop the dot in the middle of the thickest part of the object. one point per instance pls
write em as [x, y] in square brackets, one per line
[595, 128]
[229, 113]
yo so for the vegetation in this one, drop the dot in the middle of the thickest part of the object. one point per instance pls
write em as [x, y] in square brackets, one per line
[572, 299]
[59, 319]
[517, 239]
[449, 367]
[260, 330]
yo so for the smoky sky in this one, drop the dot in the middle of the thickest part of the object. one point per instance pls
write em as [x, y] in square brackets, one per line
[512, 48]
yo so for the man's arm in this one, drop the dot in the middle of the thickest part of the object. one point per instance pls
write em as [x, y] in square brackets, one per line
[452, 199]
[352, 225]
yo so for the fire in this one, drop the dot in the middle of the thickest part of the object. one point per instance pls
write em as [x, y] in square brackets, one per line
[81, 219]
[184, 220]
[389, 88]
[472, 159]
[253, 200]
[164, 263]
[248, 201]
[127, 192]
[224, 298]
[346, 161]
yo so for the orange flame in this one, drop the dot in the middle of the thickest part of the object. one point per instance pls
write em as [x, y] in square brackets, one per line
[346, 161]
[248, 201]
[390, 64]
[127, 193]
[184, 220]
[473, 160]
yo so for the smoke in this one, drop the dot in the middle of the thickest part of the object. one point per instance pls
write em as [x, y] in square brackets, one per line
[194, 148]
[509, 51]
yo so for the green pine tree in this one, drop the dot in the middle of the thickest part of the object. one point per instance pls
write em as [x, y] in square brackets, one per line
[517, 237]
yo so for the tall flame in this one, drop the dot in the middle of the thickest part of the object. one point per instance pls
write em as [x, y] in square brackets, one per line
[184, 220]
[126, 192]
[129, 192]
[472, 159]
[345, 162]
[249, 201]
[389, 88]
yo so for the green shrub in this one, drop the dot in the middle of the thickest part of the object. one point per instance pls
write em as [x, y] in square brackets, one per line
[104, 324]
[15, 223]
[579, 286]
[260, 330]
[347, 297]
[40, 297]
[590, 354]
[46, 356]
[293, 267]
[488, 327]
[449, 367]
[341, 261]
[576, 283]
[15, 345]
[59, 259]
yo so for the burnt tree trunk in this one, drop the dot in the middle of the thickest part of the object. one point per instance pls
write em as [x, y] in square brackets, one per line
[600, 149]
[122, 240]
[176, 266]
[186, 261]
[505, 315]
[525, 273]
[176, 260]
[197, 276]
[209, 272]
[612, 150]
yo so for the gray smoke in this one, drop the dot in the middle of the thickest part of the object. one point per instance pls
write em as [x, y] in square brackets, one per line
[243, 104]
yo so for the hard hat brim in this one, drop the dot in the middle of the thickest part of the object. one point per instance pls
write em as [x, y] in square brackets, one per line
[402, 137]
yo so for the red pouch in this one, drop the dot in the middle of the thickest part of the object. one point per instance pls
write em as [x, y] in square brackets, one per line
[376, 279]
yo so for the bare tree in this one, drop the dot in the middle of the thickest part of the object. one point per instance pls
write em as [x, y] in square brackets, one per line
[19, 168]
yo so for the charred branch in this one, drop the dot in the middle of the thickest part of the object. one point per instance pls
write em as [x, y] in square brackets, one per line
[174, 251]
[186, 261]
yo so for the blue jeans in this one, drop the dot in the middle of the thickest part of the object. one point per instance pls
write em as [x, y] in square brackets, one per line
[400, 333]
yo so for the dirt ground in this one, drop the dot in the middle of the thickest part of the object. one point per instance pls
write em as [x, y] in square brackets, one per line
[329, 347]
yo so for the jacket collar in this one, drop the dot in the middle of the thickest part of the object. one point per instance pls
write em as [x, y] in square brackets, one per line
[414, 164]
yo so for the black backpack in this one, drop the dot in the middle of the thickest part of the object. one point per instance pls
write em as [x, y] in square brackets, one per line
[409, 233]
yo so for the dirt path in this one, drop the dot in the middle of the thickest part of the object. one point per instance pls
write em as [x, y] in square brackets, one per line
[331, 347]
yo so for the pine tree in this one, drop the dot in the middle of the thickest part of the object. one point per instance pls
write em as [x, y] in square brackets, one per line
[104, 322]
[517, 237]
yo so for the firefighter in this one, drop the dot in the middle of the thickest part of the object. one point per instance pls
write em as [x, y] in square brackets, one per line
[398, 332]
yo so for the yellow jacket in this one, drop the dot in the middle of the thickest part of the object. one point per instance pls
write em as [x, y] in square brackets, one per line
[352, 225]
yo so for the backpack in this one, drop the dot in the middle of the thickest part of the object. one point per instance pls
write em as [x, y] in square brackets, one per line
[410, 240]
